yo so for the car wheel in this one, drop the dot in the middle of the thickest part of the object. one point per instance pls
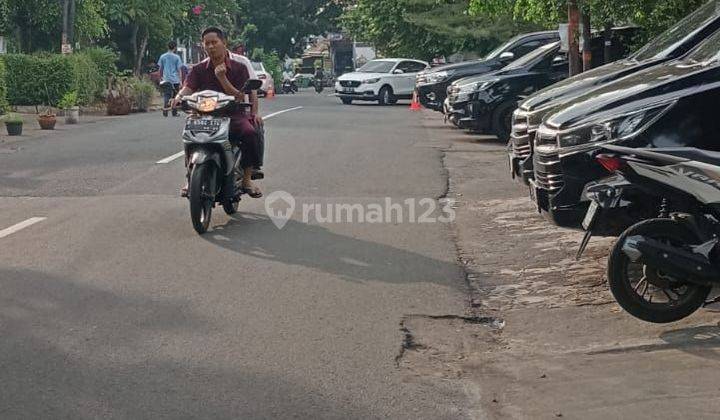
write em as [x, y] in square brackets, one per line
[385, 95]
[502, 121]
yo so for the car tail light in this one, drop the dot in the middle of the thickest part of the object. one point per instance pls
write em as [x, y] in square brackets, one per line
[610, 162]
[262, 77]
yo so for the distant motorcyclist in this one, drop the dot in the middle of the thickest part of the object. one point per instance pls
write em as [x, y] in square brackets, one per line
[319, 79]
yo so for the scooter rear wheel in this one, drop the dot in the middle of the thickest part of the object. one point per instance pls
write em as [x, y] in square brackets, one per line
[636, 285]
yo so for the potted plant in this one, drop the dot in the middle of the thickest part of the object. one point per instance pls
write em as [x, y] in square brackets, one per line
[68, 103]
[13, 124]
[47, 120]
[118, 97]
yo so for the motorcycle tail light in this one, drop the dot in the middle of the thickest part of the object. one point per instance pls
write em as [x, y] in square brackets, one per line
[611, 163]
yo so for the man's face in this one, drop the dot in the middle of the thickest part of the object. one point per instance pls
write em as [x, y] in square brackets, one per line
[214, 45]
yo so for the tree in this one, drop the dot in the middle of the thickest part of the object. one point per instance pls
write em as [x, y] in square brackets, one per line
[143, 18]
[427, 28]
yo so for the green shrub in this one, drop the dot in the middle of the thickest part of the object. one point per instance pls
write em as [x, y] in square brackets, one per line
[69, 100]
[87, 80]
[3, 88]
[45, 78]
[12, 118]
[104, 58]
[38, 79]
[142, 92]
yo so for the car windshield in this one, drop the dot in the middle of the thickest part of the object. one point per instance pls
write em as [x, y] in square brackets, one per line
[708, 52]
[377, 66]
[257, 66]
[667, 41]
[530, 58]
[501, 49]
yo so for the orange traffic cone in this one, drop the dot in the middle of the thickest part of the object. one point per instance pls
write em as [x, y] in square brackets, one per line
[270, 94]
[415, 104]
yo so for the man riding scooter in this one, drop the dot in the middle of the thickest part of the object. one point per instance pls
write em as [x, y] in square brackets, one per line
[226, 72]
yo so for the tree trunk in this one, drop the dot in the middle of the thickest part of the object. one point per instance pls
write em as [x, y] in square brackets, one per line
[573, 25]
[141, 52]
[71, 23]
[64, 36]
[133, 42]
[586, 53]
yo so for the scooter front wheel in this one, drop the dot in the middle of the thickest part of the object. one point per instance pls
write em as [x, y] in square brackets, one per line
[200, 196]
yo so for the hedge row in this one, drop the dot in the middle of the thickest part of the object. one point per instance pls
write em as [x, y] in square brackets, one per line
[45, 78]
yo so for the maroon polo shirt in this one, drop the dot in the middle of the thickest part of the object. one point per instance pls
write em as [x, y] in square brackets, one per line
[202, 77]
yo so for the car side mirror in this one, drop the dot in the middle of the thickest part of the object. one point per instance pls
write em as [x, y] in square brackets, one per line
[252, 84]
[507, 56]
[398, 71]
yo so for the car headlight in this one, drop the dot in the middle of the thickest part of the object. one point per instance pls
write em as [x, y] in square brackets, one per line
[484, 85]
[371, 81]
[438, 76]
[613, 129]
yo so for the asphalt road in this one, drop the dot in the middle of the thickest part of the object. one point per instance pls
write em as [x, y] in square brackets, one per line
[111, 306]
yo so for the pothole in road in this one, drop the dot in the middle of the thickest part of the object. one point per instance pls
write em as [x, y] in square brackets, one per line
[440, 346]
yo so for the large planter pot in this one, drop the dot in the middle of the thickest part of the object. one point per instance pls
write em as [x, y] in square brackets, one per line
[72, 115]
[118, 105]
[14, 128]
[47, 122]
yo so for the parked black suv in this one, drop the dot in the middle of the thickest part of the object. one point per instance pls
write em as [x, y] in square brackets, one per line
[432, 84]
[671, 104]
[486, 103]
[671, 44]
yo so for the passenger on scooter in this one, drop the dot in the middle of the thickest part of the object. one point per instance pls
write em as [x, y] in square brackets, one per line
[227, 72]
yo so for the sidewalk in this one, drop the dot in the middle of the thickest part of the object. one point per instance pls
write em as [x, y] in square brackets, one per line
[544, 337]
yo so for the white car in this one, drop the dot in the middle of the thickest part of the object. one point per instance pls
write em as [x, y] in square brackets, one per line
[383, 80]
[266, 78]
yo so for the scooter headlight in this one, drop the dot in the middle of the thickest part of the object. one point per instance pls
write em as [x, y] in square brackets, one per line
[207, 105]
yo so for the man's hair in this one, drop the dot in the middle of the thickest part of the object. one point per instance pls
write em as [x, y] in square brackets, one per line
[172, 45]
[214, 30]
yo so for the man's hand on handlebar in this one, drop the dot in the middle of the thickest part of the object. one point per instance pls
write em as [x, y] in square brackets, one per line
[176, 102]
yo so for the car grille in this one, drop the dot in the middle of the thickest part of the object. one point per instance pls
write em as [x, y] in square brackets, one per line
[546, 162]
[521, 138]
[349, 83]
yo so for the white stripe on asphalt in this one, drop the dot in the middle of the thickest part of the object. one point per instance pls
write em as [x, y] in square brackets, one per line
[267, 117]
[20, 226]
[171, 158]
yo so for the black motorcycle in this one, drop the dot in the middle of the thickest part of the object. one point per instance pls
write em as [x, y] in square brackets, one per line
[289, 86]
[210, 156]
[662, 269]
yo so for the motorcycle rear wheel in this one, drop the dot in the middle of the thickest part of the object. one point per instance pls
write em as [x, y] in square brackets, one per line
[199, 194]
[683, 297]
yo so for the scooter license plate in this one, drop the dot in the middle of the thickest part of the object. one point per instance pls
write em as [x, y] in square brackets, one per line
[590, 215]
[203, 125]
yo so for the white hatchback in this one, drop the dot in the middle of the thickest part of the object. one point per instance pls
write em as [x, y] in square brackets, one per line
[384, 80]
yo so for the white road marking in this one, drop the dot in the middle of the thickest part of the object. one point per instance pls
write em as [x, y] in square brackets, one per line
[20, 226]
[171, 158]
[267, 117]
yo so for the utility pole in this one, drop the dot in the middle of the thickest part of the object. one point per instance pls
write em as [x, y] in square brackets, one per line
[586, 52]
[573, 26]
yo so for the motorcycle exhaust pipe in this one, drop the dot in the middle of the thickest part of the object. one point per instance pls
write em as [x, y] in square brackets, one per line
[672, 260]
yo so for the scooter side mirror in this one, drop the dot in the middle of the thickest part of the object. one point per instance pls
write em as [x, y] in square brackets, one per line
[252, 84]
